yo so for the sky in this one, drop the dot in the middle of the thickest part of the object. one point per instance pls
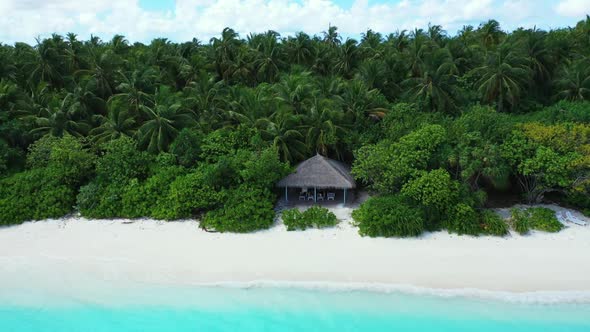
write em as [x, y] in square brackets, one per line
[182, 20]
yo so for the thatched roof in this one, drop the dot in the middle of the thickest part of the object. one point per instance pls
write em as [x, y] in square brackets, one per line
[320, 172]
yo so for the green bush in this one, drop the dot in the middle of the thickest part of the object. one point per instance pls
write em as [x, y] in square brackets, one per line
[33, 195]
[189, 195]
[433, 189]
[464, 220]
[101, 200]
[493, 224]
[315, 216]
[520, 221]
[320, 217]
[11, 159]
[187, 147]
[150, 198]
[122, 162]
[246, 210]
[544, 219]
[48, 189]
[539, 218]
[293, 219]
[88, 199]
[388, 216]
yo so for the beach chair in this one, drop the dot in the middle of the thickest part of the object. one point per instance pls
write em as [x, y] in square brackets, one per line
[303, 196]
[331, 196]
[574, 219]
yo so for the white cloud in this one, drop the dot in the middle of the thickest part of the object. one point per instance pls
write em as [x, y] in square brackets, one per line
[573, 8]
[23, 20]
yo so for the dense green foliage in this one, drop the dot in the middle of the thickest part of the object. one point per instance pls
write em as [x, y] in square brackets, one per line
[538, 218]
[315, 216]
[245, 209]
[439, 124]
[48, 189]
[493, 224]
[388, 216]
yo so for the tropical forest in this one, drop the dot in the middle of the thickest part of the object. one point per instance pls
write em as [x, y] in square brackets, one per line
[438, 126]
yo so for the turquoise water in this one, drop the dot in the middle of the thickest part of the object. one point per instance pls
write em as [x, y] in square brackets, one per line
[279, 309]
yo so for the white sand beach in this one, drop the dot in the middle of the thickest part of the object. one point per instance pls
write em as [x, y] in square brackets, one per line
[70, 252]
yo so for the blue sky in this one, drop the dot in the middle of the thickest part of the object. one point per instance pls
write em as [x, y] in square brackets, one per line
[179, 20]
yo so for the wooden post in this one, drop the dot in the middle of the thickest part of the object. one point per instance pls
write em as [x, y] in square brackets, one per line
[315, 194]
[344, 195]
[286, 195]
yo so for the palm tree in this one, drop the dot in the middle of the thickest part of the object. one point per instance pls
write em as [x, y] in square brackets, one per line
[8, 69]
[74, 53]
[321, 126]
[207, 100]
[225, 49]
[58, 118]
[50, 61]
[371, 44]
[573, 82]
[280, 130]
[358, 101]
[164, 120]
[331, 37]
[119, 122]
[102, 71]
[503, 76]
[300, 49]
[417, 52]
[131, 88]
[250, 106]
[295, 91]
[399, 40]
[347, 58]
[436, 87]
[269, 57]
[436, 34]
[490, 34]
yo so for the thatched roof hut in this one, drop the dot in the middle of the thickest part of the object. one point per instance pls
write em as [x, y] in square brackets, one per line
[320, 172]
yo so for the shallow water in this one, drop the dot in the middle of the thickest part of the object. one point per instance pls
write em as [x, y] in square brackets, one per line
[279, 309]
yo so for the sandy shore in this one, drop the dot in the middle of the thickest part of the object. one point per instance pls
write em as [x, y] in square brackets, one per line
[68, 253]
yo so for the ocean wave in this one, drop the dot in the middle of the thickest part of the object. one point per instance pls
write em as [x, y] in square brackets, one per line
[533, 297]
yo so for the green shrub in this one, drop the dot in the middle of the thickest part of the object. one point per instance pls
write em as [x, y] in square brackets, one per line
[34, 195]
[189, 195]
[538, 218]
[433, 189]
[150, 198]
[48, 189]
[187, 147]
[110, 202]
[293, 219]
[122, 162]
[11, 159]
[40, 151]
[388, 216]
[544, 219]
[246, 210]
[263, 169]
[464, 220]
[493, 224]
[88, 199]
[320, 217]
[315, 216]
[520, 221]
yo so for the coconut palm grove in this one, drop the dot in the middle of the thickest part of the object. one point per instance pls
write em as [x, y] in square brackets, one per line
[436, 126]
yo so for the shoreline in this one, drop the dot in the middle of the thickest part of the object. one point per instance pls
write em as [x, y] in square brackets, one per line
[80, 256]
